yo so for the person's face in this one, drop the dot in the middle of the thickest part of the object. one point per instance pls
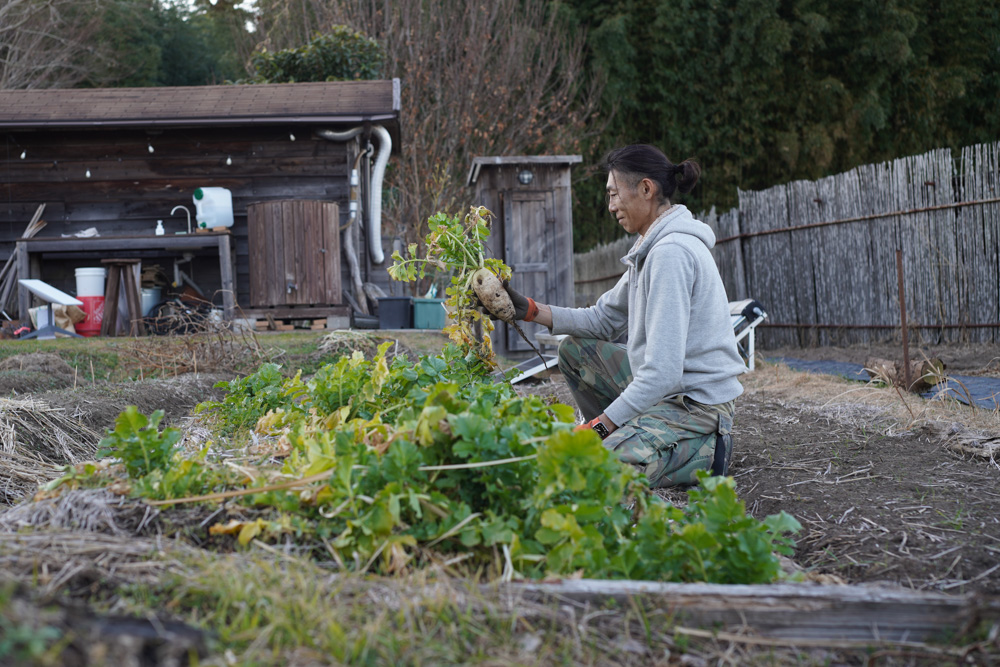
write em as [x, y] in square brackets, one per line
[634, 208]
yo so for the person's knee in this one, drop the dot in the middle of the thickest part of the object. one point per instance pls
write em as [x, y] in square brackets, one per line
[569, 353]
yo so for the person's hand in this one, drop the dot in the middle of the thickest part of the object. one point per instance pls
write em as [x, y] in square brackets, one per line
[524, 307]
[522, 304]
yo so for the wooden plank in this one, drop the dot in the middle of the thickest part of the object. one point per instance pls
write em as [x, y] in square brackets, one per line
[124, 243]
[170, 190]
[256, 256]
[529, 247]
[228, 280]
[314, 260]
[109, 323]
[290, 274]
[194, 166]
[275, 235]
[24, 271]
[331, 255]
[302, 218]
[788, 611]
[125, 143]
[298, 312]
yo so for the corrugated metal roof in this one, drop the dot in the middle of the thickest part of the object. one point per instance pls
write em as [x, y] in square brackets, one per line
[285, 103]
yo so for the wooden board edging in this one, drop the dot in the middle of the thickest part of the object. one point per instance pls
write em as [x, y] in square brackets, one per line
[788, 611]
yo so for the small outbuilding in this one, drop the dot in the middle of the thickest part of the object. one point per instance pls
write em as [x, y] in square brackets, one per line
[533, 232]
[303, 163]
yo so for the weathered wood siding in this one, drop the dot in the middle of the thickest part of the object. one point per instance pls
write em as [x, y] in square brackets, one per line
[533, 235]
[129, 188]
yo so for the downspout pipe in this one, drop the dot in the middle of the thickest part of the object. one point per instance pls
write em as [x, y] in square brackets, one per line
[346, 135]
[378, 174]
[375, 209]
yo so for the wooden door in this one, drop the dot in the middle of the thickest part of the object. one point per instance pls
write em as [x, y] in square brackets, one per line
[530, 250]
[294, 253]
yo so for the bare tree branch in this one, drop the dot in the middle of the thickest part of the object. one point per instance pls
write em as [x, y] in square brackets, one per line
[501, 77]
[48, 43]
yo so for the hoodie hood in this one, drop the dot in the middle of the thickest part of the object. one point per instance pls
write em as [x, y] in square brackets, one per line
[677, 220]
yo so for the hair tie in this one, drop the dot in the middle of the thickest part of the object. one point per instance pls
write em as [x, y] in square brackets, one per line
[679, 168]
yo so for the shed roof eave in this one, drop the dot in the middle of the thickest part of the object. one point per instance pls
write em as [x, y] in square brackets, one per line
[232, 121]
[479, 161]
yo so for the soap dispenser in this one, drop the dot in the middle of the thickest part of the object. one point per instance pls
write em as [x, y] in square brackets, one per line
[159, 228]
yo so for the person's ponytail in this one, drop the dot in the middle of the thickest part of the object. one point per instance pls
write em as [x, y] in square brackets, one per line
[688, 173]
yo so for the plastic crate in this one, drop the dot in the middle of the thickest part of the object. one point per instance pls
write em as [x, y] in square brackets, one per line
[428, 314]
[395, 312]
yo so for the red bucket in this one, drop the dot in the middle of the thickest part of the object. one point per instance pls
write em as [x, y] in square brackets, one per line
[94, 307]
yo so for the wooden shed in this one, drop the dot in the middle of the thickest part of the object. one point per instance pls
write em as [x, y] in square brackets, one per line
[109, 163]
[532, 199]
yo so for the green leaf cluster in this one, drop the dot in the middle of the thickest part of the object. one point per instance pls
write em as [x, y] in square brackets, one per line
[138, 442]
[714, 540]
[341, 54]
[247, 399]
[412, 463]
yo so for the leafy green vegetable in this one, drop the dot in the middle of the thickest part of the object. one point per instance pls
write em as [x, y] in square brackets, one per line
[417, 462]
[247, 399]
[138, 442]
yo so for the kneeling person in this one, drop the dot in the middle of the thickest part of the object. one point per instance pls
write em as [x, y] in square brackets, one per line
[663, 400]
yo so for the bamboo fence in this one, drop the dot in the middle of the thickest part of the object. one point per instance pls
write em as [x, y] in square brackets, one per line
[820, 255]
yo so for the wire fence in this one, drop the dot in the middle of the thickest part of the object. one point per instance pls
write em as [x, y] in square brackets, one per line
[821, 255]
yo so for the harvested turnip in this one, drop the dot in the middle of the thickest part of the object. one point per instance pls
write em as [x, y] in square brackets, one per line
[492, 295]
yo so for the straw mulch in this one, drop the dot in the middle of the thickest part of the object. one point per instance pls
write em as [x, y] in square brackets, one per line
[36, 440]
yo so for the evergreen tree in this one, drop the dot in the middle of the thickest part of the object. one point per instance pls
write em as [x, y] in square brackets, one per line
[766, 91]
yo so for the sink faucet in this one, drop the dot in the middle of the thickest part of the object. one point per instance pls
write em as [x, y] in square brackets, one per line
[186, 211]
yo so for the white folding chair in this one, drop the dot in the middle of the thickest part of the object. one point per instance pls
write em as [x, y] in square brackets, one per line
[746, 315]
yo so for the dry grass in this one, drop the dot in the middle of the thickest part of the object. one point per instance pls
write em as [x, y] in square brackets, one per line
[856, 402]
[267, 607]
[206, 345]
[340, 342]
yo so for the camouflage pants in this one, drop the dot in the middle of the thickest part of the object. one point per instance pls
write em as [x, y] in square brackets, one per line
[670, 441]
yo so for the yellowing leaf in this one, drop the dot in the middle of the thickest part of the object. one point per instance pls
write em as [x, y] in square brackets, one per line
[229, 528]
[250, 530]
[246, 530]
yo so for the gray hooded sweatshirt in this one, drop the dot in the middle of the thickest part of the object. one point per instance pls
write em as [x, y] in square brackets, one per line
[673, 305]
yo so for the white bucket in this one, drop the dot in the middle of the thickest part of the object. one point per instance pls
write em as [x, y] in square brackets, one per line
[150, 298]
[90, 281]
[213, 207]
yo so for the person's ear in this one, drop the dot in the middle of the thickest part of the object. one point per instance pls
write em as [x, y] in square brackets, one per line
[647, 188]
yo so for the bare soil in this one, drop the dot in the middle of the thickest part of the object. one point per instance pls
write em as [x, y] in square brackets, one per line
[876, 504]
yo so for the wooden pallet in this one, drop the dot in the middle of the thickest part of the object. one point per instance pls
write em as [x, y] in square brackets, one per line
[271, 323]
